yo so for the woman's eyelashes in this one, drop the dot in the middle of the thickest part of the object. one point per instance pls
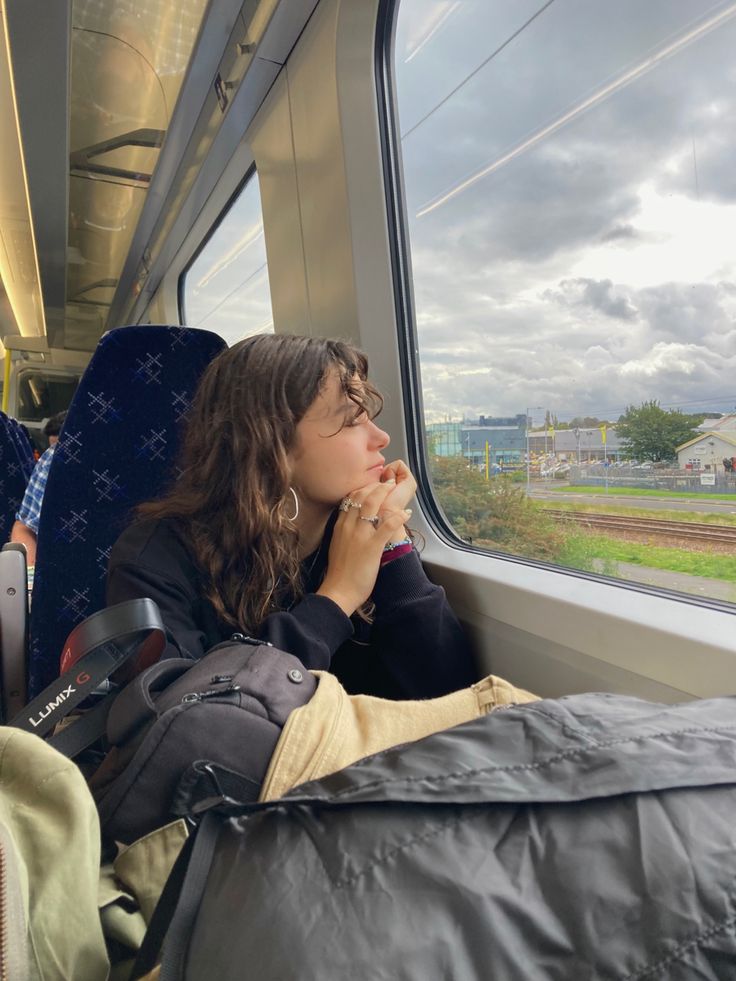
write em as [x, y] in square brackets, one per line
[364, 415]
[354, 417]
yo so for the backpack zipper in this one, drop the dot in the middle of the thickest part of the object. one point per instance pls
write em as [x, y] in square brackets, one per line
[245, 639]
[240, 639]
[200, 696]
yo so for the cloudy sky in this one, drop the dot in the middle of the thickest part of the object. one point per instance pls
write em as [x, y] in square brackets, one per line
[571, 197]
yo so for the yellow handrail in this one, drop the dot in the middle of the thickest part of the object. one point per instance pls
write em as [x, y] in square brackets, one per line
[6, 382]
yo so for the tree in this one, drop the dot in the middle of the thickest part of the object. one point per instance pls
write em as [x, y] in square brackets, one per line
[497, 515]
[586, 422]
[494, 513]
[647, 432]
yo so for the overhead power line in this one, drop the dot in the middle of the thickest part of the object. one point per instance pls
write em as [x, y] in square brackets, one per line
[475, 71]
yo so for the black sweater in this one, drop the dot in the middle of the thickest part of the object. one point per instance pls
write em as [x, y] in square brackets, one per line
[415, 647]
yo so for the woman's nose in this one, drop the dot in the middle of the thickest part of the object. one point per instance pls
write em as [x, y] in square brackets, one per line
[380, 437]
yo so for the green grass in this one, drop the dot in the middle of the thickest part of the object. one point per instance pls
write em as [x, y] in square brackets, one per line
[612, 550]
[644, 492]
[621, 509]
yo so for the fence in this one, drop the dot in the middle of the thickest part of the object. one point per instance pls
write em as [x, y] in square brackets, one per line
[660, 479]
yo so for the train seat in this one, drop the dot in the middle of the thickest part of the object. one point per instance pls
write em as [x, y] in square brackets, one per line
[16, 466]
[118, 447]
[24, 442]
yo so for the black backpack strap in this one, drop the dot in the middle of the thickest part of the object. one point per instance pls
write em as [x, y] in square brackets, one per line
[97, 647]
[173, 919]
[205, 784]
[85, 730]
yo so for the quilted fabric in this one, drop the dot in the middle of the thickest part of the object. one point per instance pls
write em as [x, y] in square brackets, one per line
[119, 447]
[16, 466]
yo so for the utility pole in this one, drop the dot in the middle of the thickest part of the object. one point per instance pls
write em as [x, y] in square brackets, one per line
[604, 437]
[529, 408]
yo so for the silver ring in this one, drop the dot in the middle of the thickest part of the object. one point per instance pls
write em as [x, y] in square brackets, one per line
[347, 502]
[375, 520]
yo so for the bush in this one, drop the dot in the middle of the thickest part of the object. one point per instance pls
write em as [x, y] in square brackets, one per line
[494, 513]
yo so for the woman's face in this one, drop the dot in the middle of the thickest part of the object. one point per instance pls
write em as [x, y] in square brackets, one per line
[333, 456]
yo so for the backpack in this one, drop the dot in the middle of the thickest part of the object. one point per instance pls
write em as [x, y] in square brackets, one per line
[205, 724]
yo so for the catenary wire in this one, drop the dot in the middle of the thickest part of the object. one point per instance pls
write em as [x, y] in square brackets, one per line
[475, 71]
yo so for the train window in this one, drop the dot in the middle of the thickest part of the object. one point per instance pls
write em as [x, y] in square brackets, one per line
[569, 191]
[225, 289]
[42, 394]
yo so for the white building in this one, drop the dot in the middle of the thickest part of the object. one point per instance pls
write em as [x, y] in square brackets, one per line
[707, 451]
[724, 424]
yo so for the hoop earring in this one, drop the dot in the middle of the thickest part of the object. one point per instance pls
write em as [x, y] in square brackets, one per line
[295, 515]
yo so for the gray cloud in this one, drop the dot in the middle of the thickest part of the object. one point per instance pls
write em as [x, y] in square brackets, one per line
[504, 318]
[686, 311]
[621, 233]
[598, 294]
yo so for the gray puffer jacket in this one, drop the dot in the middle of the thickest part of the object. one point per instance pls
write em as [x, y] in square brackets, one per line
[589, 838]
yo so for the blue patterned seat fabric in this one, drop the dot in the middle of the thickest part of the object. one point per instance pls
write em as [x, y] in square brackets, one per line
[119, 447]
[16, 466]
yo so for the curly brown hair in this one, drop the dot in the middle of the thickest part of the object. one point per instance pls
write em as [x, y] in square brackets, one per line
[231, 502]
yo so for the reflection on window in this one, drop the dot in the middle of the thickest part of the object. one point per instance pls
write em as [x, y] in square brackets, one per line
[570, 190]
[41, 395]
[128, 63]
[226, 287]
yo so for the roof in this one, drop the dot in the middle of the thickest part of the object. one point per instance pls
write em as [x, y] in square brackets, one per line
[724, 437]
[725, 422]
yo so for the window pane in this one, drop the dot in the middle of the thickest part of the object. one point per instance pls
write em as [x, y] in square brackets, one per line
[226, 287]
[570, 191]
[41, 394]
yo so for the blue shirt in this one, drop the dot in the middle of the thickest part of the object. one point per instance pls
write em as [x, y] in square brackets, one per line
[30, 510]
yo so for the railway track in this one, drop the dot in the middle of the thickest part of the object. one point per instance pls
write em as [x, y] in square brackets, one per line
[686, 530]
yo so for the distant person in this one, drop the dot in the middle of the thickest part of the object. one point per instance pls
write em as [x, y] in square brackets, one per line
[25, 529]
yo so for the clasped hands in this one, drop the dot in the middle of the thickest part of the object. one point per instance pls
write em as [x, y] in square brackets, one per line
[358, 540]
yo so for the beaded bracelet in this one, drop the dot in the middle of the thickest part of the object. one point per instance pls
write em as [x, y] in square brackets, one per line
[395, 549]
[392, 545]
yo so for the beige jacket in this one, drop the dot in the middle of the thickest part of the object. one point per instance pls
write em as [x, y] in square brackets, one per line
[335, 729]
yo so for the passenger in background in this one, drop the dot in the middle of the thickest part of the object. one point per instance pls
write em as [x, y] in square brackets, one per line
[288, 524]
[25, 529]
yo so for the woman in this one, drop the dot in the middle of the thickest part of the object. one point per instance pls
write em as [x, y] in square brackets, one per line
[287, 524]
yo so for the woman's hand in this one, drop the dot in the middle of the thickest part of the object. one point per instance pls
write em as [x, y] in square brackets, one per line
[357, 545]
[403, 491]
